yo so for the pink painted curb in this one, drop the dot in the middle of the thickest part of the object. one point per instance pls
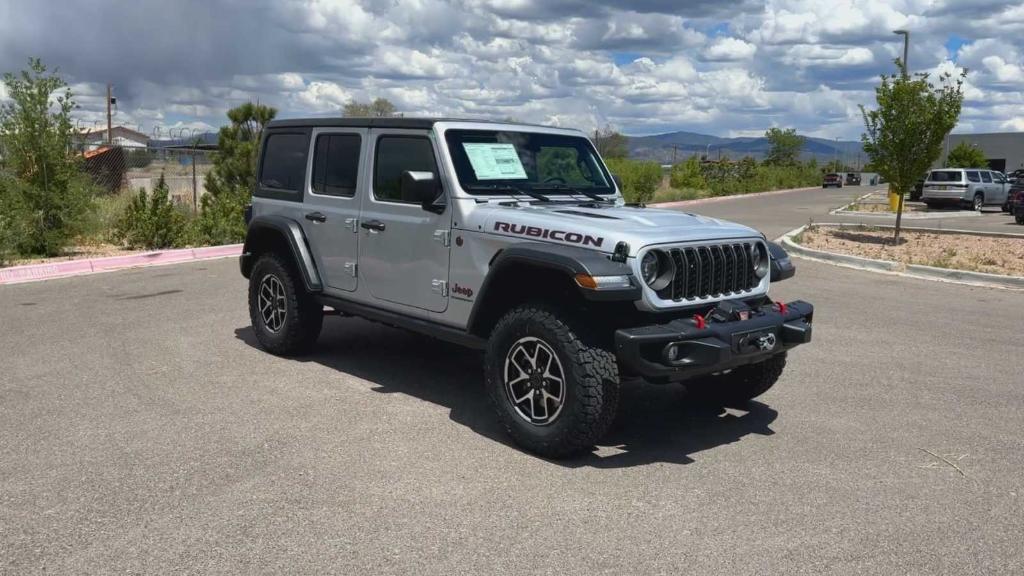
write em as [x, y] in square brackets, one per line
[714, 199]
[34, 272]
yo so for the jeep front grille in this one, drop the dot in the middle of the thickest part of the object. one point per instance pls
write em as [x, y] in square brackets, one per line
[710, 271]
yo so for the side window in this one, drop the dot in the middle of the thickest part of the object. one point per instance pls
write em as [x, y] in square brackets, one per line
[284, 162]
[336, 164]
[395, 155]
[973, 176]
[986, 177]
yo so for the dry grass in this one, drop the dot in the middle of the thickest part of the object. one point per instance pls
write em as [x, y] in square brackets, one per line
[956, 251]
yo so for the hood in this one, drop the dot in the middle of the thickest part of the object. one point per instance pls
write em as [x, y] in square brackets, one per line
[602, 228]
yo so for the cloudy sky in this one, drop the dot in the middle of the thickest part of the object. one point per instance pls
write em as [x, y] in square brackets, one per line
[712, 66]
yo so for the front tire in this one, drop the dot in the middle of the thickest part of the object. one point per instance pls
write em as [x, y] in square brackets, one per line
[555, 391]
[979, 202]
[748, 382]
[286, 319]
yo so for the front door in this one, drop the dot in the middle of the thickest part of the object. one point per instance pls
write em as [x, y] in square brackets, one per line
[331, 207]
[403, 248]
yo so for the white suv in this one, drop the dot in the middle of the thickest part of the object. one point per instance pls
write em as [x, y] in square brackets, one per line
[513, 239]
[969, 187]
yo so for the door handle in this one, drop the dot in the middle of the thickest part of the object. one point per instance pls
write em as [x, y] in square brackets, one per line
[316, 217]
[373, 225]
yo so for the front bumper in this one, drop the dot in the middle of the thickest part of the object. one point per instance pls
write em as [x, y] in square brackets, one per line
[644, 351]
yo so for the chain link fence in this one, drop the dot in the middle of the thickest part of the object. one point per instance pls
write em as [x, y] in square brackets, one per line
[123, 169]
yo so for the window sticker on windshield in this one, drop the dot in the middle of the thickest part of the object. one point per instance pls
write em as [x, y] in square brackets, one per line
[494, 161]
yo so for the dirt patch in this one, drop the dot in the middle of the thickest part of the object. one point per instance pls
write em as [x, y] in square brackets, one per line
[956, 251]
[78, 253]
[879, 207]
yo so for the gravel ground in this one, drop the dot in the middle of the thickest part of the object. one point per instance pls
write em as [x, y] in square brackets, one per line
[958, 251]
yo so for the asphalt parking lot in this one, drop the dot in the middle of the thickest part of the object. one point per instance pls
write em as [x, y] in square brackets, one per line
[142, 431]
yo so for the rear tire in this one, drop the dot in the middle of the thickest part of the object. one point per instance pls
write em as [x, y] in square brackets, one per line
[286, 318]
[748, 382]
[555, 391]
[1019, 218]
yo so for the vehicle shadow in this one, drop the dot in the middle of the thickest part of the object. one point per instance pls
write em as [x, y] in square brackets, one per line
[655, 423]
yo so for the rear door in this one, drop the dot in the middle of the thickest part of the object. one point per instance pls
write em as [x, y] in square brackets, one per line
[331, 218]
[403, 249]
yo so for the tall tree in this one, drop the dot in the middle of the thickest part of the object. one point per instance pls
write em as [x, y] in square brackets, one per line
[964, 155]
[230, 182]
[785, 147]
[610, 143]
[904, 134]
[379, 108]
[37, 152]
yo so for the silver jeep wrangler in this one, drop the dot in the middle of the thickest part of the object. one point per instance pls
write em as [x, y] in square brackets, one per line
[513, 239]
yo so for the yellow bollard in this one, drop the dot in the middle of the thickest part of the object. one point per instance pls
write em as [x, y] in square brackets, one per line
[894, 201]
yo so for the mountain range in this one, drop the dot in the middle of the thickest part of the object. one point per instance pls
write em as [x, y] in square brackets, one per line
[663, 148]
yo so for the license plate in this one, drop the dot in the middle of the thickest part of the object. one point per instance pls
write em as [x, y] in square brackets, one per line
[942, 187]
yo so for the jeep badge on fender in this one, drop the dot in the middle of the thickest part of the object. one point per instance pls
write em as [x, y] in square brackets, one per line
[566, 289]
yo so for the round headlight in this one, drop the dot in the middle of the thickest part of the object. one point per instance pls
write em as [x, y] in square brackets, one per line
[759, 260]
[649, 267]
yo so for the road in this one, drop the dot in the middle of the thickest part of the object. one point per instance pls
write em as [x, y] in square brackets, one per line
[142, 431]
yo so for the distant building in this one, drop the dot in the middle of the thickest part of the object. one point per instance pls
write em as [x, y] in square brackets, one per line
[120, 136]
[1004, 150]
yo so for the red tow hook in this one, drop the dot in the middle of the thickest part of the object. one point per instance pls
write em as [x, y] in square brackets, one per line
[782, 307]
[700, 321]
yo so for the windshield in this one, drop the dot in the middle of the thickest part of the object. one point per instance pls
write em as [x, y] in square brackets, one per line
[497, 162]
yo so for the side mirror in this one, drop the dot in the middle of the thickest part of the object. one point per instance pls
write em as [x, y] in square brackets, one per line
[422, 187]
[781, 265]
[618, 181]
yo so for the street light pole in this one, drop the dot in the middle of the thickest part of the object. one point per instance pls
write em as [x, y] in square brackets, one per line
[906, 50]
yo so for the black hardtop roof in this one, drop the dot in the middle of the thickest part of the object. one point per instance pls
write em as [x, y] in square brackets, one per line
[408, 123]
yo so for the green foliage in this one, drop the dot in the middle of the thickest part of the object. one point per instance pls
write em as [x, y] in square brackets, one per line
[13, 216]
[36, 136]
[904, 135]
[230, 182]
[964, 155]
[151, 220]
[610, 143]
[379, 108]
[555, 162]
[639, 179]
[785, 147]
[687, 174]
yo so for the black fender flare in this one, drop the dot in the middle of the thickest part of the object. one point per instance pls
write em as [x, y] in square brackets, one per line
[569, 260]
[782, 266]
[264, 228]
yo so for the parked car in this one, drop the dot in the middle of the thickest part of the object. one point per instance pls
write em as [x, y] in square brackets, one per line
[832, 179]
[1017, 202]
[853, 179]
[974, 189]
[467, 231]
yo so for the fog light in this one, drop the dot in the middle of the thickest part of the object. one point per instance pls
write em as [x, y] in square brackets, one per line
[671, 352]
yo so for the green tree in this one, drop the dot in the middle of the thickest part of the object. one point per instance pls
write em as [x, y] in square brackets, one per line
[151, 220]
[610, 143]
[785, 147]
[230, 182]
[904, 134]
[36, 139]
[964, 155]
[379, 108]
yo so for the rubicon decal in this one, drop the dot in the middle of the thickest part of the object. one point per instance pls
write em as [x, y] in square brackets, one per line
[560, 235]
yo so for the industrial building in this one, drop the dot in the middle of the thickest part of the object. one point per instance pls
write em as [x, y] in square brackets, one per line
[1004, 150]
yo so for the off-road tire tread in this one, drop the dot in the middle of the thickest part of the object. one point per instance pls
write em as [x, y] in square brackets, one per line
[597, 390]
[305, 317]
[748, 382]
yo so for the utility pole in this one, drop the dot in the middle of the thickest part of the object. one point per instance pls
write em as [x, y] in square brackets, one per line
[675, 151]
[906, 50]
[110, 127]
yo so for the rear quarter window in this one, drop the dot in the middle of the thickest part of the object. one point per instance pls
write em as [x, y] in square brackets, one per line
[284, 162]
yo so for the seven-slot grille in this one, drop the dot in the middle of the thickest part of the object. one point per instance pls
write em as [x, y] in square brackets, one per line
[714, 270]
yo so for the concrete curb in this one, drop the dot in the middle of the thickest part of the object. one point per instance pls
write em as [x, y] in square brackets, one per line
[714, 199]
[918, 271]
[47, 271]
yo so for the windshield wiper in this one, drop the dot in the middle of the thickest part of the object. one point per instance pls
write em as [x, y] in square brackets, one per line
[587, 193]
[509, 188]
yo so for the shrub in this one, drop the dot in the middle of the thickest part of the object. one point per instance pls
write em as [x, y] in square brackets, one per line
[151, 220]
[687, 174]
[12, 217]
[639, 179]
